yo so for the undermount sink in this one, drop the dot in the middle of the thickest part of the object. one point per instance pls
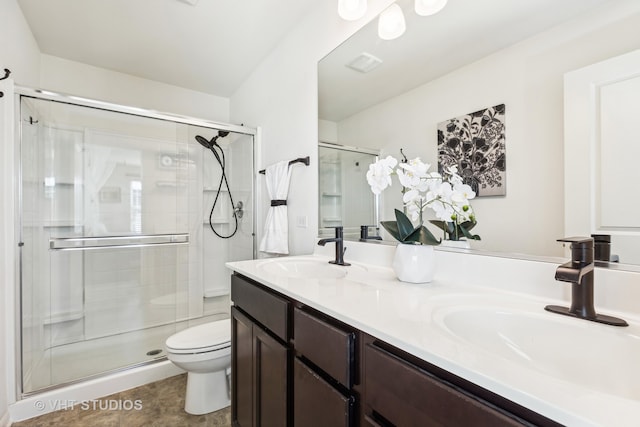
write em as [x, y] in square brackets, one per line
[306, 268]
[597, 356]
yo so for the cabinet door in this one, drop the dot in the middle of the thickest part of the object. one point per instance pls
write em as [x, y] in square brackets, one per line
[241, 369]
[406, 395]
[271, 379]
[316, 403]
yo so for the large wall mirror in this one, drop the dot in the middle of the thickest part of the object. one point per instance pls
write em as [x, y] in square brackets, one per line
[470, 56]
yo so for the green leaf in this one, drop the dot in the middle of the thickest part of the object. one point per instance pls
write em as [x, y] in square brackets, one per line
[405, 226]
[446, 226]
[392, 228]
[403, 230]
[424, 236]
[465, 231]
[468, 225]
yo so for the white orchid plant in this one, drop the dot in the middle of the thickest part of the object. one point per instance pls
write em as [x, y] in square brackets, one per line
[447, 196]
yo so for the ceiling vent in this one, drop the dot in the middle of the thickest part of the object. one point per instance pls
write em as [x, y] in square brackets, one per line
[364, 63]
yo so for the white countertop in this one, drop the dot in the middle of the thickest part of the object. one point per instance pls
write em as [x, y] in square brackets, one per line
[410, 317]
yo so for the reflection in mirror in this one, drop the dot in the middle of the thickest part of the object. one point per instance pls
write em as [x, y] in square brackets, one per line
[344, 195]
[601, 104]
[470, 56]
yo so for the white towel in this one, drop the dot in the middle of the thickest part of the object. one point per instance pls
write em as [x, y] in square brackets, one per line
[276, 227]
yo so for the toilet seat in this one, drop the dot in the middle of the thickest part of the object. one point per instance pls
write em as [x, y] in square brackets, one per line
[203, 338]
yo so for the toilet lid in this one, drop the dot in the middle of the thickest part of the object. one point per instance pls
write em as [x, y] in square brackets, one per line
[202, 338]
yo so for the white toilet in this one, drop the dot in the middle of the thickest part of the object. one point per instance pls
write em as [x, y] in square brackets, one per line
[204, 351]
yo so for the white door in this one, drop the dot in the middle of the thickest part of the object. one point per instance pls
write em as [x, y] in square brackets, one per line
[602, 153]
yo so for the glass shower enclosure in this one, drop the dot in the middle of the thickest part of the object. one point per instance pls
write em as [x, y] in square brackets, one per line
[117, 250]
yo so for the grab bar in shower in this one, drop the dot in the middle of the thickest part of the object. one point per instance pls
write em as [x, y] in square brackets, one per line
[114, 242]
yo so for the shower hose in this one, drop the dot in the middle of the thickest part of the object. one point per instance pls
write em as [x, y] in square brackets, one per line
[223, 180]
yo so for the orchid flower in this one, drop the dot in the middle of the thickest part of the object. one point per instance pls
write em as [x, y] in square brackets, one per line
[447, 196]
[379, 174]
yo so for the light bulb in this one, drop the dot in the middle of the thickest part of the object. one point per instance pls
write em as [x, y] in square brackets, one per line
[391, 23]
[351, 10]
[429, 7]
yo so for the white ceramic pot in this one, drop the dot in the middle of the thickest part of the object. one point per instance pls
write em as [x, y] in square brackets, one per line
[414, 263]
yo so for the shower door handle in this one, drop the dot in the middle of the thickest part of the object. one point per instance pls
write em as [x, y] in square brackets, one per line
[114, 242]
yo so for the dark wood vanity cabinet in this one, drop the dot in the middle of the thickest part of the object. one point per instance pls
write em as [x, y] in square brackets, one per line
[295, 366]
[260, 359]
[290, 365]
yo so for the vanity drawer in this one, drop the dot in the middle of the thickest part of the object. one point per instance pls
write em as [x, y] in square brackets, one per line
[318, 403]
[325, 345]
[264, 306]
[405, 395]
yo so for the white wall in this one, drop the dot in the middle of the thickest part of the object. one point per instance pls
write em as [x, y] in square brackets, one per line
[281, 97]
[19, 53]
[62, 75]
[327, 131]
[528, 78]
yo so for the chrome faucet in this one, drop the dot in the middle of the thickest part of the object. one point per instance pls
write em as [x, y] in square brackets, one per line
[579, 272]
[340, 249]
[364, 233]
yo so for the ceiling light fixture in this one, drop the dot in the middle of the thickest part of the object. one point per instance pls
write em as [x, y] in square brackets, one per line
[391, 24]
[351, 10]
[429, 7]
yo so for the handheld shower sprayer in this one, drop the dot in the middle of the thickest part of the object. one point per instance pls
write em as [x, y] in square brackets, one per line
[210, 144]
[219, 155]
[203, 141]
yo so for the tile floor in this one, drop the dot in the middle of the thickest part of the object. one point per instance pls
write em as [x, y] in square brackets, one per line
[159, 404]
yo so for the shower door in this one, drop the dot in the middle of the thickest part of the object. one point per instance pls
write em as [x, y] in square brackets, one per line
[116, 254]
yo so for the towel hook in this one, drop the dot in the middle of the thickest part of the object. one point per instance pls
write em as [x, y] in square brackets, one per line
[7, 72]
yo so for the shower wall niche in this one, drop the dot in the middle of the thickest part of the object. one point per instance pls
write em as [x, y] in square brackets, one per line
[116, 250]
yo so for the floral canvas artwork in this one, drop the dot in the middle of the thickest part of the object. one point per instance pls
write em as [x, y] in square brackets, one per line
[475, 144]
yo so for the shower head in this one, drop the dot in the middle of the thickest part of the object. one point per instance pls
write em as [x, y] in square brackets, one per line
[209, 144]
[203, 141]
